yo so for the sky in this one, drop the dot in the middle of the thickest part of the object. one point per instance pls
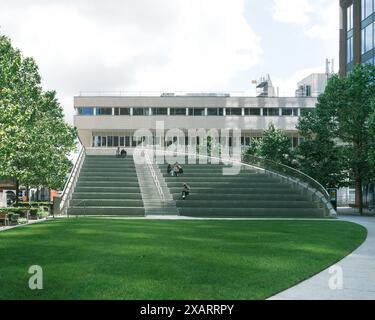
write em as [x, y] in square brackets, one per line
[171, 45]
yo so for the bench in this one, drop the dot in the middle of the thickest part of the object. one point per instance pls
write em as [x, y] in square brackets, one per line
[4, 219]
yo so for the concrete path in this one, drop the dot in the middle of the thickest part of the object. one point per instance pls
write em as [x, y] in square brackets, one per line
[4, 228]
[358, 270]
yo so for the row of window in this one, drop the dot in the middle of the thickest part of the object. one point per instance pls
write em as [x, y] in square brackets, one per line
[129, 141]
[368, 8]
[349, 13]
[293, 112]
[368, 38]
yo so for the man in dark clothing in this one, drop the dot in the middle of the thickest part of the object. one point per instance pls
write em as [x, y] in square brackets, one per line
[185, 191]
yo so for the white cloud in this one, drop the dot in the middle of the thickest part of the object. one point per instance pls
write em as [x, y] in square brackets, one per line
[318, 18]
[132, 45]
[292, 11]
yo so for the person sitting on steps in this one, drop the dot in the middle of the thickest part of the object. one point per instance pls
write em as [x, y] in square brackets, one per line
[123, 153]
[185, 191]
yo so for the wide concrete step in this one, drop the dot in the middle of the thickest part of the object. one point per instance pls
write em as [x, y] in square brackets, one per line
[107, 211]
[106, 196]
[223, 185]
[107, 165]
[108, 183]
[222, 179]
[233, 190]
[253, 212]
[244, 203]
[248, 196]
[96, 189]
[107, 203]
[109, 170]
[104, 178]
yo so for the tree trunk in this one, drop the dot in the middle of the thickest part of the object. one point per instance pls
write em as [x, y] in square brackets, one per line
[358, 195]
[27, 193]
[17, 190]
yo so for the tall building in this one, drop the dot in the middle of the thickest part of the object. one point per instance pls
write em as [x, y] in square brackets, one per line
[357, 33]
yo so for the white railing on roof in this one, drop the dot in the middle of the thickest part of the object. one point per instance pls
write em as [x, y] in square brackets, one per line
[166, 94]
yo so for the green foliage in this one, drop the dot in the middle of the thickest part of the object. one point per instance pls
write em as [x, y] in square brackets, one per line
[34, 138]
[275, 145]
[339, 135]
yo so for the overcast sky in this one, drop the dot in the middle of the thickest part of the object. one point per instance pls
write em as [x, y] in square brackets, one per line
[171, 45]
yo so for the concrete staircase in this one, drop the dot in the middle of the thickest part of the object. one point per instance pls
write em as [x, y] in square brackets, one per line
[153, 202]
[107, 186]
[251, 193]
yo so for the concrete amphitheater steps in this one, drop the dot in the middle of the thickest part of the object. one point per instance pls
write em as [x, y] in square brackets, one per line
[107, 186]
[251, 193]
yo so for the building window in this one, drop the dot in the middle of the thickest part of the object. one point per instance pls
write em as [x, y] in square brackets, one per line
[177, 111]
[350, 18]
[367, 8]
[234, 112]
[109, 141]
[349, 54]
[104, 111]
[104, 141]
[141, 111]
[122, 111]
[252, 111]
[271, 112]
[97, 141]
[159, 111]
[290, 112]
[368, 38]
[85, 111]
[196, 112]
[115, 141]
[215, 111]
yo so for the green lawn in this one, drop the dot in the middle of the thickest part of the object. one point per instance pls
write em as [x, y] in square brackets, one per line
[142, 259]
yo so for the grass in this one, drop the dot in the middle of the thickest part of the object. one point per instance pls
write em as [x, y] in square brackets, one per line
[142, 259]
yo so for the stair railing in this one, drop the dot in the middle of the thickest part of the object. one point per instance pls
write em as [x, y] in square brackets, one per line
[295, 176]
[154, 176]
[71, 182]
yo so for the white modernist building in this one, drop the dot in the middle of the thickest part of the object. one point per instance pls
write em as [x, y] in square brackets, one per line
[110, 120]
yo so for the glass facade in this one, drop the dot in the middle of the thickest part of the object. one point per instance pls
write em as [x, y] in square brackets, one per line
[122, 111]
[104, 140]
[103, 111]
[367, 8]
[368, 31]
[86, 111]
[201, 112]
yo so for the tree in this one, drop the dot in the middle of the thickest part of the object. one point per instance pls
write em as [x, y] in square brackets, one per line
[340, 130]
[275, 146]
[319, 156]
[34, 139]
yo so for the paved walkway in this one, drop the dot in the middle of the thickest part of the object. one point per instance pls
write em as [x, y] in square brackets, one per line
[21, 225]
[358, 273]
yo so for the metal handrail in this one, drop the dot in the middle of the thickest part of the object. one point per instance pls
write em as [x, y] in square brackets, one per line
[282, 169]
[302, 179]
[70, 184]
[154, 176]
